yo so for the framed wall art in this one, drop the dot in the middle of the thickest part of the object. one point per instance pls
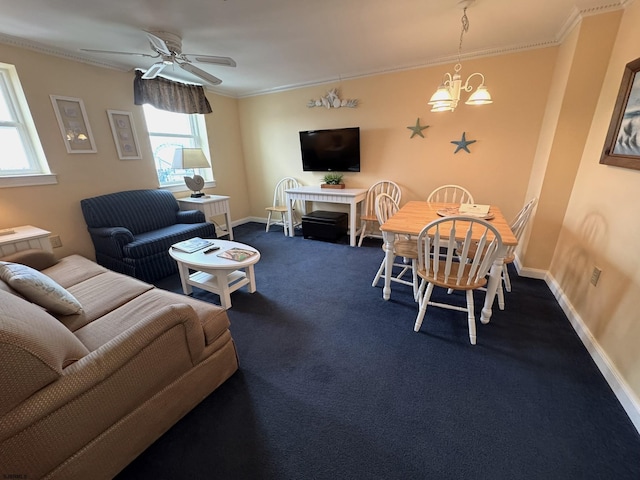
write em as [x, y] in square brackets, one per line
[124, 134]
[74, 126]
[622, 145]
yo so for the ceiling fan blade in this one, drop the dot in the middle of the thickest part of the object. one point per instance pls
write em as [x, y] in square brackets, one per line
[118, 53]
[154, 70]
[200, 73]
[158, 44]
[223, 61]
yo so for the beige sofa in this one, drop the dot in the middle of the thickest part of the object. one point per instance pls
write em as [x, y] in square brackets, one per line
[82, 394]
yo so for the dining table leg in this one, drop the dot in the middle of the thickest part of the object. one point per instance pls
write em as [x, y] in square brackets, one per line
[289, 228]
[389, 239]
[495, 276]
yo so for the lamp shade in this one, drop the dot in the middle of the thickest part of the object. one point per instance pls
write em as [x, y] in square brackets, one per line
[442, 95]
[480, 97]
[186, 158]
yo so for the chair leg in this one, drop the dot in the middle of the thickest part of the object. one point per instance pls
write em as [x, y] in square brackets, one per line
[363, 230]
[505, 277]
[421, 292]
[379, 275]
[423, 308]
[500, 292]
[414, 275]
[471, 317]
[268, 222]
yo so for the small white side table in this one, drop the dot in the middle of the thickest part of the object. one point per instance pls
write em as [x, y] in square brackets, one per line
[210, 205]
[24, 238]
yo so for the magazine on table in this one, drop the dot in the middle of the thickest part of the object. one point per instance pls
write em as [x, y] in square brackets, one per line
[473, 209]
[192, 245]
[237, 254]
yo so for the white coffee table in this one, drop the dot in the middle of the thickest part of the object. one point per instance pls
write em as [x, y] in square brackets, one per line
[214, 274]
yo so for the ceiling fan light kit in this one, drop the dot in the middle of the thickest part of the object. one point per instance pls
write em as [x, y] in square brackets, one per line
[168, 47]
[447, 96]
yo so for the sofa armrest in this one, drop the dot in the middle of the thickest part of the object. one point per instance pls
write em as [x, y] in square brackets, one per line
[110, 240]
[190, 216]
[140, 361]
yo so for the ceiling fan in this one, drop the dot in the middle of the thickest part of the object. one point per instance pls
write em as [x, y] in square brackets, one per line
[168, 48]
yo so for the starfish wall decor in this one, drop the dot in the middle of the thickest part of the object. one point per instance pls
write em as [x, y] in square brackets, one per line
[417, 129]
[463, 144]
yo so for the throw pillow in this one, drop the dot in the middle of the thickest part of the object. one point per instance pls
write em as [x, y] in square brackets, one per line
[38, 288]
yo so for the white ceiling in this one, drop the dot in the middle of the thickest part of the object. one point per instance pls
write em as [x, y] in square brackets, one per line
[280, 44]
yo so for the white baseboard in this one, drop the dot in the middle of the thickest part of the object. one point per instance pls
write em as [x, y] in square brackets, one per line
[529, 272]
[621, 389]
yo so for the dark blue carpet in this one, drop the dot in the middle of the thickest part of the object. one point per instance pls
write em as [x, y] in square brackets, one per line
[334, 384]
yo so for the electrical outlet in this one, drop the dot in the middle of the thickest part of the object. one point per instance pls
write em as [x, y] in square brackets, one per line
[595, 276]
[55, 241]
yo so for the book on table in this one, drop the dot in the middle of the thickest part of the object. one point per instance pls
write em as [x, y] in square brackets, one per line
[192, 245]
[237, 254]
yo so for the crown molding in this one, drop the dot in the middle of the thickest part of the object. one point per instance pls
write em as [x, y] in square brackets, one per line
[574, 19]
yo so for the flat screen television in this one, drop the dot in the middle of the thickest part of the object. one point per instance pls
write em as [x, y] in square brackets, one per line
[332, 150]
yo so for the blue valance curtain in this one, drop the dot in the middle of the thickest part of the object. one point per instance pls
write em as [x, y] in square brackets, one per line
[168, 95]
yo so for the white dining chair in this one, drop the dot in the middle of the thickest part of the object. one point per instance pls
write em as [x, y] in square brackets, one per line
[403, 247]
[369, 222]
[279, 206]
[518, 226]
[450, 194]
[451, 266]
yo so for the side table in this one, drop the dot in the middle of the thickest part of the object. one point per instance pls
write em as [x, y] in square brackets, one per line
[24, 238]
[210, 205]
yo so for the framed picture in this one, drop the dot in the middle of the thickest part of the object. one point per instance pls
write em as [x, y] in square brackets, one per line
[622, 146]
[74, 125]
[124, 134]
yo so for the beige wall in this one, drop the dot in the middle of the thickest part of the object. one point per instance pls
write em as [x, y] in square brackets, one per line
[506, 131]
[57, 207]
[601, 229]
[580, 71]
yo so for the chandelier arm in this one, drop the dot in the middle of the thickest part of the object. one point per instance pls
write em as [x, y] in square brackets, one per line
[467, 87]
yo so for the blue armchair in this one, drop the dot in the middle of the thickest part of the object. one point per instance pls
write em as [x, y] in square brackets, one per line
[132, 231]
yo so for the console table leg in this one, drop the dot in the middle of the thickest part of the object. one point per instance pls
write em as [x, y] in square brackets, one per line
[352, 224]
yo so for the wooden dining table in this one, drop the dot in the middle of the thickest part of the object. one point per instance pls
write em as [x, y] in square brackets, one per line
[414, 215]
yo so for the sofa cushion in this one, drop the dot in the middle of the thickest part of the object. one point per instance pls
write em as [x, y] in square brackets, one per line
[100, 295]
[39, 288]
[159, 241]
[213, 319]
[72, 270]
[34, 347]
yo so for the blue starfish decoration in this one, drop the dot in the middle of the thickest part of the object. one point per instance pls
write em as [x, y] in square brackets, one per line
[417, 129]
[463, 144]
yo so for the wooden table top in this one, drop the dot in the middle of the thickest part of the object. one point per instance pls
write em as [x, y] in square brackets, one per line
[414, 215]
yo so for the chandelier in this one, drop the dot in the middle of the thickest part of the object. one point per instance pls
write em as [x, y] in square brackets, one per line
[447, 95]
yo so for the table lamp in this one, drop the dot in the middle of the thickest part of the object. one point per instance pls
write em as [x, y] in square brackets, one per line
[189, 158]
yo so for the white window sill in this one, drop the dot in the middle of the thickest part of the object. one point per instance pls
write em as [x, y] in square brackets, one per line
[28, 180]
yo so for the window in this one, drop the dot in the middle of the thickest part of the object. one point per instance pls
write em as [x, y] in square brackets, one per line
[168, 130]
[23, 161]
